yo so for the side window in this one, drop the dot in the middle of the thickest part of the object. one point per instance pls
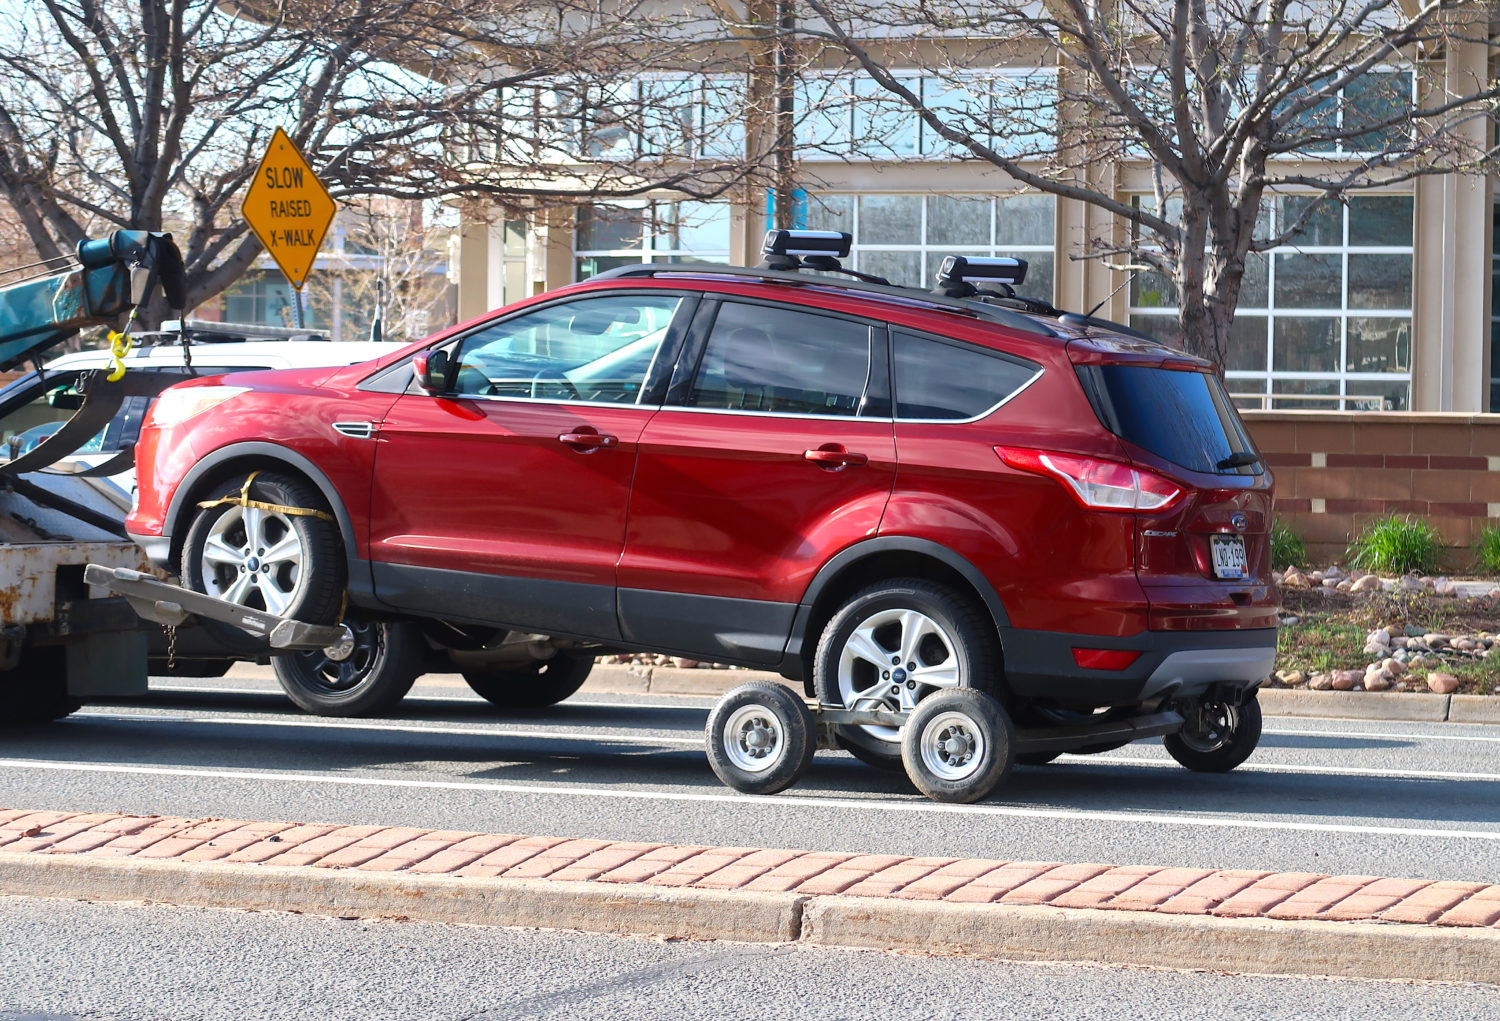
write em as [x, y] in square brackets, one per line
[777, 359]
[939, 379]
[593, 349]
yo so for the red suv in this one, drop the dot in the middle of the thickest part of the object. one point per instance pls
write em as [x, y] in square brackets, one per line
[877, 491]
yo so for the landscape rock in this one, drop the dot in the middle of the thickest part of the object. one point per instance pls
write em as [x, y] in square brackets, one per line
[1435, 640]
[1294, 578]
[1376, 681]
[1380, 636]
[1367, 583]
[1393, 667]
[1407, 583]
[1443, 684]
[1345, 680]
[1320, 682]
[1292, 678]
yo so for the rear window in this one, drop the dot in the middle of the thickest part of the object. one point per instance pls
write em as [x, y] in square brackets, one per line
[1182, 416]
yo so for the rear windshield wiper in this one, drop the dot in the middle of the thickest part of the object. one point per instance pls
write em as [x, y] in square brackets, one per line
[1239, 460]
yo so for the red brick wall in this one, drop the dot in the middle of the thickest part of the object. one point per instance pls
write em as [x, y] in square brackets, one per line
[1336, 471]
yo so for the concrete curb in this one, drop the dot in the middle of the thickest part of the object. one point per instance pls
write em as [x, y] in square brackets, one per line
[1256, 946]
[1407, 706]
[549, 904]
[1007, 932]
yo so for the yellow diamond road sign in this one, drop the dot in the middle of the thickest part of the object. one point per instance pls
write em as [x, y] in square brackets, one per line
[288, 208]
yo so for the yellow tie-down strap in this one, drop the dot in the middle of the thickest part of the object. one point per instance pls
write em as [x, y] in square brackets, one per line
[243, 500]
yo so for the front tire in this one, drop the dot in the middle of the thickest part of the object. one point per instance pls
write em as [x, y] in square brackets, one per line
[291, 565]
[893, 644]
[540, 683]
[367, 680]
[1217, 736]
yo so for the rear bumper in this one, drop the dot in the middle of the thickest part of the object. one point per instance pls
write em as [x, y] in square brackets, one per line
[1040, 664]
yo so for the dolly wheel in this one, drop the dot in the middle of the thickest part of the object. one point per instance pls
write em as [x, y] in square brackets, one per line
[761, 737]
[957, 745]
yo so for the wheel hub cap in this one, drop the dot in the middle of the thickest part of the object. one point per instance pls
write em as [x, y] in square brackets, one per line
[894, 659]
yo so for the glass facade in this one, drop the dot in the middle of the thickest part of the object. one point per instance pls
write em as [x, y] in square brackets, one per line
[904, 238]
[611, 235]
[1323, 323]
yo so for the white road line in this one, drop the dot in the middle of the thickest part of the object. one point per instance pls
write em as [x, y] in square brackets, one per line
[1278, 767]
[1381, 734]
[205, 690]
[915, 806]
[326, 724]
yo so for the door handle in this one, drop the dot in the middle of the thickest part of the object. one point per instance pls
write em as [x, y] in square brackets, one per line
[835, 458]
[587, 442]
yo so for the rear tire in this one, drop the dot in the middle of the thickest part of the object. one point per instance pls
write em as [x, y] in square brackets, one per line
[384, 663]
[541, 683]
[927, 638]
[36, 689]
[1218, 735]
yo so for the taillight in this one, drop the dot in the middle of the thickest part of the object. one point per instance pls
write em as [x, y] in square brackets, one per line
[1096, 483]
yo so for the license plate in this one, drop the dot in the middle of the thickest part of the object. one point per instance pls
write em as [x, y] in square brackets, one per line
[1229, 556]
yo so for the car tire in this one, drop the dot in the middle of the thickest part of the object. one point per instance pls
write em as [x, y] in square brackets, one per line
[952, 642]
[291, 565]
[371, 678]
[541, 683]
[1217, 736]
[35, 690]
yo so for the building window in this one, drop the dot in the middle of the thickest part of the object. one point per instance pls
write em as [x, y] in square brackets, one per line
[1377, 100]
[904, 238]
[611, 235]
[1323, 323]
[1495, 316]
[265, 298]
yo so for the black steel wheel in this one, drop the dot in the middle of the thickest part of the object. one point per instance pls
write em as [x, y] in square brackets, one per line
[957, 745]
[363, 676]
[761, 737]
[1217, 735]
[894, 644]
[540, 683]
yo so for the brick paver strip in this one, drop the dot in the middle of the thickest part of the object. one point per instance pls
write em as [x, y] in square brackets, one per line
[460, 854]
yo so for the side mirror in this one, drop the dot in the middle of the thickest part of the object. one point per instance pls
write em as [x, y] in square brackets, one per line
[431, 370]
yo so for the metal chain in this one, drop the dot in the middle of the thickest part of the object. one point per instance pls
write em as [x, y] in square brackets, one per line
[171, 630]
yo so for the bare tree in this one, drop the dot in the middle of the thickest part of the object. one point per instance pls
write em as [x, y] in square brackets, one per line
[1224, 101]
[390, 258]
[153, 113]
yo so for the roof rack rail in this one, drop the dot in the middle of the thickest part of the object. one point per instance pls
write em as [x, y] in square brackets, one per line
[209, 331]
[904, 295]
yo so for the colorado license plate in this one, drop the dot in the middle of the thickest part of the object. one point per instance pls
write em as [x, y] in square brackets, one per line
[1229, 556]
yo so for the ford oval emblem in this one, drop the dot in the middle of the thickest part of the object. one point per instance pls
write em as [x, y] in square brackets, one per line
[1239, 521]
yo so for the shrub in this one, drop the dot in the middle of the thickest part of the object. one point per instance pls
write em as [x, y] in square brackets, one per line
[1286, 548]
[1395, 545]
[1487, 550]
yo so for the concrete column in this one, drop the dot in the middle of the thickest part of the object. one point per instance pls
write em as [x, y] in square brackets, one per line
[473, 270]
[1451, 282]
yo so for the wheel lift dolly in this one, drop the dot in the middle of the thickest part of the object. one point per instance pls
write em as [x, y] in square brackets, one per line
[956, 745]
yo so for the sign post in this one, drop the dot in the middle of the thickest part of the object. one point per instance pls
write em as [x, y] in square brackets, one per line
[290, 210]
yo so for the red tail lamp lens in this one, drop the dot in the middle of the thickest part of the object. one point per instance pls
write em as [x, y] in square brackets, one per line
[1096, 483]
[1105, 659]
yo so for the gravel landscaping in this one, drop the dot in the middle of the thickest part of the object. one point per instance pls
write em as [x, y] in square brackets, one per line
[1346, 632]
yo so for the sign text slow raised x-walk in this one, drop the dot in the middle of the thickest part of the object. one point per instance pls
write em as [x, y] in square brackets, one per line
[288, 208]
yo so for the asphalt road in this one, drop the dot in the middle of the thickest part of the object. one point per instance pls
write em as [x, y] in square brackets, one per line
[1397, 799]
[64, 960]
